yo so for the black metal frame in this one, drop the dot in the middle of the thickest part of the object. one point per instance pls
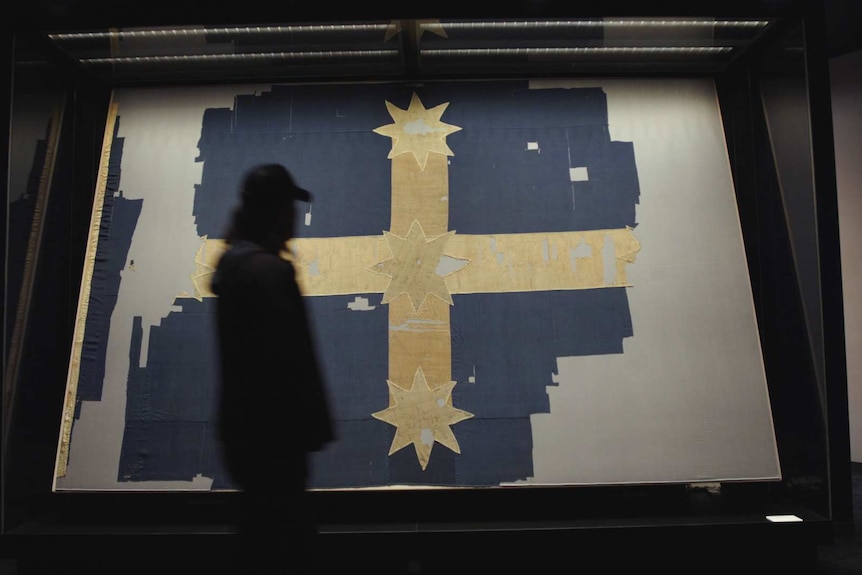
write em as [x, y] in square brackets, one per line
[32, 513]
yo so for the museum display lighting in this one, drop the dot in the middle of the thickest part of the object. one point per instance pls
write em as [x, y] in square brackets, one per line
[376, 28]
[554, 25]
[256, 56]
[598, 50]
[390, 48]
[168, 33]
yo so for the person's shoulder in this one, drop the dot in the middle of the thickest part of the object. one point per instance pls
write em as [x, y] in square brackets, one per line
[270, 267]
[250, 253]
[246, 261]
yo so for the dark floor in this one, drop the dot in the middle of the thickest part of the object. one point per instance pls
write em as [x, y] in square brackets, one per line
[509, 554]
[844, 555]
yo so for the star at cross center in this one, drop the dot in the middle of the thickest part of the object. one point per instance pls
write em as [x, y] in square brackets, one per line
[416, 267]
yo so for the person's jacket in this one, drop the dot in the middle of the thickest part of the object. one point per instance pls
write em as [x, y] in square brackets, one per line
[272, 391]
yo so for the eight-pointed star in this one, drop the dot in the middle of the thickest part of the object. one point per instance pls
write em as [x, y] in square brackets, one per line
[413, 266]
[417, 130]
[421, 416]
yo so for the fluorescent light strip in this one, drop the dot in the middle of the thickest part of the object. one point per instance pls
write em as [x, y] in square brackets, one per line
[341, 28]
[595, 24]
[462, 52]
[260, 56]
[162, 33]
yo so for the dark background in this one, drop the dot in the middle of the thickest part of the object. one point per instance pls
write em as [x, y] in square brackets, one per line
[644, 525]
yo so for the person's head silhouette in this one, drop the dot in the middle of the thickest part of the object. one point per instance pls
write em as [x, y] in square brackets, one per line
[267, 213]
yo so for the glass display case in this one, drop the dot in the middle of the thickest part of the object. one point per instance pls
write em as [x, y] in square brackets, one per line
[629, 335]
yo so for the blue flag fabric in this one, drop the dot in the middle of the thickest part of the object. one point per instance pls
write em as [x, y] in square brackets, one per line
[504, 345]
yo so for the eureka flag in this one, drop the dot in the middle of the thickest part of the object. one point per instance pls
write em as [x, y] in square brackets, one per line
[524, 208]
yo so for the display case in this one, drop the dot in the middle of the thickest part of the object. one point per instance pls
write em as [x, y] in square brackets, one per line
[628, 331]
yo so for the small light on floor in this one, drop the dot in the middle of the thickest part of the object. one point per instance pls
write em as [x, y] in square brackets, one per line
[783, 518]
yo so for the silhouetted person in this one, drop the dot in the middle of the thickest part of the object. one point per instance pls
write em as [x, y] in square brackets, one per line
[273, 407]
